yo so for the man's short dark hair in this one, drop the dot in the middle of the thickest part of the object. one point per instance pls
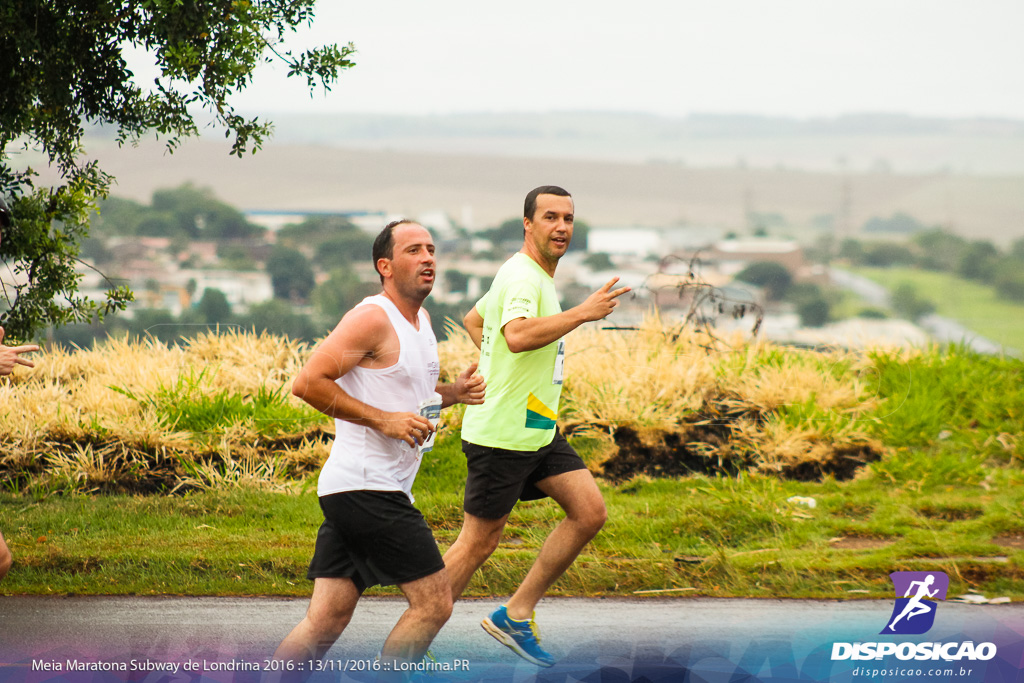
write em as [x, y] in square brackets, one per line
[530, 205]
[384, 244]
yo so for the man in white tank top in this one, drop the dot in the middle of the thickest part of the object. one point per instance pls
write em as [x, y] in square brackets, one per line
[372, 375]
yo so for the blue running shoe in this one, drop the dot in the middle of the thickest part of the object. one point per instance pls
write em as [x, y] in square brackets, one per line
[522, 637]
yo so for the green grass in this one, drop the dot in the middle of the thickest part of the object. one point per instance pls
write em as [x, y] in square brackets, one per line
[713, 536]
[955, 403]
[950, 482]
[188, 406]
[973, 305]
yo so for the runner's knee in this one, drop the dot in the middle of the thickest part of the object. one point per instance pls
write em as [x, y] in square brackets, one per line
[482, 540]
[489, 543]
[329, 621]
[435, 610]
[592, 517]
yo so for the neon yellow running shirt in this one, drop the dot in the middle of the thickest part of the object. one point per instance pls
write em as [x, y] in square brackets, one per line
[523, 389]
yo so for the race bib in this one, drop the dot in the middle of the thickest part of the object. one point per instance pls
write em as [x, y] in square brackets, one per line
[556, 378]
[430, 408]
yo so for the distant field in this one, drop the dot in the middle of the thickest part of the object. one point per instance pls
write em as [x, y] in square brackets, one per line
[480, 190]
[973, 305]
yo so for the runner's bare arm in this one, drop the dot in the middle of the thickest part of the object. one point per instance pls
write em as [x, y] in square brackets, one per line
[528, 334]
[474, 324]
[469, 388]
[359, 336]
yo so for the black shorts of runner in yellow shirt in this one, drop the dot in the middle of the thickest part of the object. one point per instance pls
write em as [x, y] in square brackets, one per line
[498, 478]
[375, 538]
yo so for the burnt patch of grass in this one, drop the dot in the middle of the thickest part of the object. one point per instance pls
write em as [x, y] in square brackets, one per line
[705, 449]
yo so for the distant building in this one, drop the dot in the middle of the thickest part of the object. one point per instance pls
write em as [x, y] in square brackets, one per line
[636, 242]
[178, 290]
[732, 256]
[436, 221]
[200, 253]
[641, 242]
[241, 288]
[125, 249]
[691, 238]
[367, 221]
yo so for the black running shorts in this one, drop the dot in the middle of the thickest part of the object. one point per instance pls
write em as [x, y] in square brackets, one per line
[498, 478]
[374, 538]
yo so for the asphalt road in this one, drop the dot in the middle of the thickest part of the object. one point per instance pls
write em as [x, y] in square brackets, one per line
[594, 639]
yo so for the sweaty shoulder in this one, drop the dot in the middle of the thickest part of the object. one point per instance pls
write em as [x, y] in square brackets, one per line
[364, 330]
[366, 319]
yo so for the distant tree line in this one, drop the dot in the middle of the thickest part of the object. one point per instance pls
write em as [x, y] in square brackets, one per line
[940, 250]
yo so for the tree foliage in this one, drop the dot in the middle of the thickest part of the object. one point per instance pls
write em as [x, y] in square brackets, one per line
[290, 274]
[336, 295]
[1009, 279]
[197, 214]
[185, 212]
[811, 302]
[345, 248]
[456, 281]
[978, 261]
[313, 230]
[213, 307]
[908, 303]
[939, 250]
[774, 277]
[64, 69]
[897, 223]
[599, 261]
[280, 317]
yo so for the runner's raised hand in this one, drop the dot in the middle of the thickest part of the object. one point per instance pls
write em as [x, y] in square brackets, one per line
[599, 304]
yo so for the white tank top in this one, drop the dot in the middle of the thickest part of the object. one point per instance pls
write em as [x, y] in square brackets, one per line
[363, 459]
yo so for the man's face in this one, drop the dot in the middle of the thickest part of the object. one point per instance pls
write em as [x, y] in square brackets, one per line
[550, 229]
[412, 265]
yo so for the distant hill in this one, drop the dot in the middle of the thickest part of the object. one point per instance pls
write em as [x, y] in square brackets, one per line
[624, 169]
[856, 142]
[480, 191]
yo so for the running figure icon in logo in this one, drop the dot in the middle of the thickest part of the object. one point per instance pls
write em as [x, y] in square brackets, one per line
[914, 613]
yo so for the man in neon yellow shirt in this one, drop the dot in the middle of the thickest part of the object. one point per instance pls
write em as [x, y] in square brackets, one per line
[513, 449]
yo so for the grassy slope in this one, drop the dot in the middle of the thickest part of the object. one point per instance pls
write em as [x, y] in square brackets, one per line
[973, 305]
[751, 540]
[949, 484]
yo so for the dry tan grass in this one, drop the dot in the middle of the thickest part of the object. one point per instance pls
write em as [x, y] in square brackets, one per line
[72, 421]
[706, 401]
[651, 376]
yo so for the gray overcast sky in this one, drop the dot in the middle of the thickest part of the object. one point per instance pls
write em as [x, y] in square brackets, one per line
[803, 58]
